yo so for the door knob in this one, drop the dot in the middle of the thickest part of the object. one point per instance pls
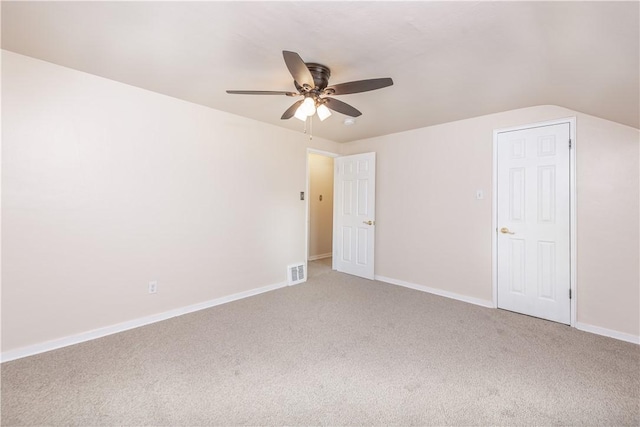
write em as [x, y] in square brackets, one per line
[368, 222]
[505, 230]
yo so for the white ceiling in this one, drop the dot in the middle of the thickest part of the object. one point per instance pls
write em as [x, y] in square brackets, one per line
[449, 60]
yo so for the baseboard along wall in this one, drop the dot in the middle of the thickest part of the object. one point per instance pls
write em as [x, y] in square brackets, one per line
[321, 256]
[439, 292]
[622, 336]
[121, 327]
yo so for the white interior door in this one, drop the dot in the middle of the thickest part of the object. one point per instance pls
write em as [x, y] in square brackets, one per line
[533, 222]
[354, 214]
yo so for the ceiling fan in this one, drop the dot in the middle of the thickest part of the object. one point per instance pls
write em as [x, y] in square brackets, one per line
[311, 80]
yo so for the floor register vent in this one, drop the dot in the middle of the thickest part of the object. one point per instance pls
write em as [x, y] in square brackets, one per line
[296, 274]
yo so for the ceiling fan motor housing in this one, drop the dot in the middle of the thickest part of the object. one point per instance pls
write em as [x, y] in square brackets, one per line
[320, 74]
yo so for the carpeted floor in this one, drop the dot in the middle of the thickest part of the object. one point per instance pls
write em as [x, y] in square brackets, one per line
[336, 350]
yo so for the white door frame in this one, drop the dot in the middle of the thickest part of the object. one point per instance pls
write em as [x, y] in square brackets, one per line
[572, 208]
[306, 203]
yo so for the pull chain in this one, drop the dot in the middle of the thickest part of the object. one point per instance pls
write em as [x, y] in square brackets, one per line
[310, 121]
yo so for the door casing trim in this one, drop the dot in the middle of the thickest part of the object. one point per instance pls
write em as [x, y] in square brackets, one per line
[572, 209]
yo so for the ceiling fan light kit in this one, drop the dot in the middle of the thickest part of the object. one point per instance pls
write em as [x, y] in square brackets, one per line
[300, 114]
[308, 106]
[312, 80]
[323, 112]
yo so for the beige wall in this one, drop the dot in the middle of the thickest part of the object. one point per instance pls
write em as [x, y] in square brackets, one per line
[320, 211]
[432, 231]
[106, 187]
[608, 232]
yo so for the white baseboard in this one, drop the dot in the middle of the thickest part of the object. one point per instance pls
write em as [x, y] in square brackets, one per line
[321, 256]
[489, 304]
[635, 339]
[121, 327]
[439, 292]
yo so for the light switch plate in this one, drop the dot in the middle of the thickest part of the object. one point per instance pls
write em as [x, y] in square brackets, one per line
[479, 194]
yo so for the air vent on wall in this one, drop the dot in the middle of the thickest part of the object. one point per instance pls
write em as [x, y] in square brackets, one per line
[296, 274]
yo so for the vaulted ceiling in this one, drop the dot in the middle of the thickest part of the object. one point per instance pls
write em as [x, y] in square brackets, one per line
[449, 60]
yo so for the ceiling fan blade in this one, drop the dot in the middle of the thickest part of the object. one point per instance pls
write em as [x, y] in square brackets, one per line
[341, 107]
[298, 69]
[262, 92]
[358, 86]
[291, 111]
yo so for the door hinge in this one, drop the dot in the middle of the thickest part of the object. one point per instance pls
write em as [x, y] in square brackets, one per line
[569, 143]
[569, 293]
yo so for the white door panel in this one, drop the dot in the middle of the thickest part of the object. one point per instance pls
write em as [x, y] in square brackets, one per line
[533, 219]
[355, 214]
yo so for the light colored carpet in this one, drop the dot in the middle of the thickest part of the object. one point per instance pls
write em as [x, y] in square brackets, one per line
[336, 350]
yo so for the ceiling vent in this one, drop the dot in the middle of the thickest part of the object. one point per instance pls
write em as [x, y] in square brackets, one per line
[296, 274]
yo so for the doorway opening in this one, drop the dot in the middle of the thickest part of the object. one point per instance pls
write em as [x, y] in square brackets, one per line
[320, 174]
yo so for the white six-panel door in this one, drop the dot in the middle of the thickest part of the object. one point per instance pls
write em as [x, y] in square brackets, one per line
[354, 214]
[533, 222]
